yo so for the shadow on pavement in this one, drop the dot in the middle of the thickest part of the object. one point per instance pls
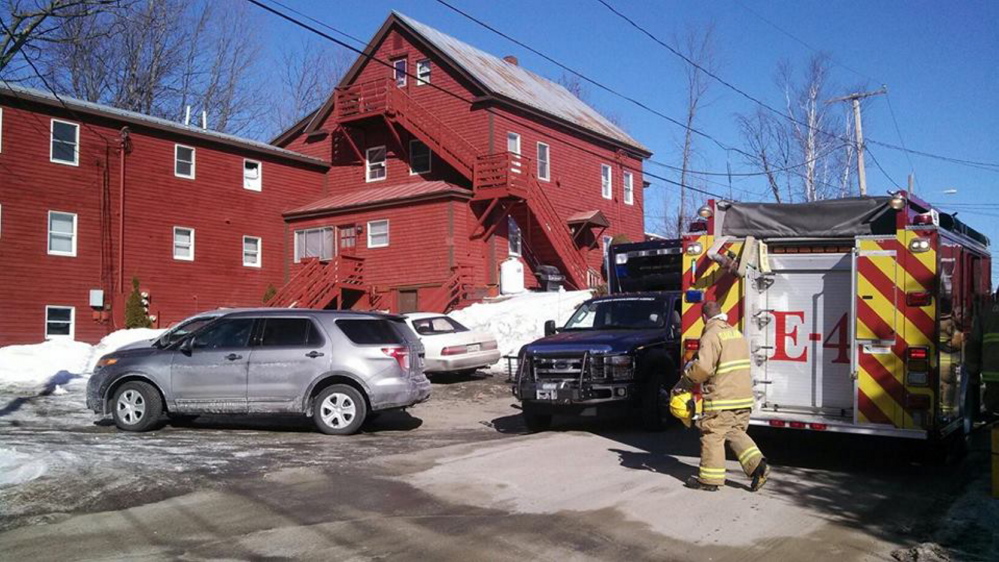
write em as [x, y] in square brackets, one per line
[60, 378]
[395, 420]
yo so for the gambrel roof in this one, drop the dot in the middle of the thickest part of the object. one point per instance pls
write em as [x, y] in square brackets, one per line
[497, 78]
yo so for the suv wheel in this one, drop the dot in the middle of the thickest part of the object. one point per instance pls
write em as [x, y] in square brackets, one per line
[652, 409]
[339, 410]
[136, 406]
[534, 420]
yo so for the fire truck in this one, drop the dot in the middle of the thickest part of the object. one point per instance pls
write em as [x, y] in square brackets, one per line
[855, 310]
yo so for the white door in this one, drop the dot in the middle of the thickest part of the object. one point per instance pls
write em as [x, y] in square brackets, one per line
[799, 329]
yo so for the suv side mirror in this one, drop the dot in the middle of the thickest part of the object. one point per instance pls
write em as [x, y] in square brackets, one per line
[186, 346]
[550, 328]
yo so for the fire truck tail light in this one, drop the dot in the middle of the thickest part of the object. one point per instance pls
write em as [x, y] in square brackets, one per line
[918, 353]
[777, 423]
[691, 345]
[917, 402]
[818, 426]
[918, 366]
[919, 245]
[797, 425]
[918, 299]
[699, 226]
[924, 218]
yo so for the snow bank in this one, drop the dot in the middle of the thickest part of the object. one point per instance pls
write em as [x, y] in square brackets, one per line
[519, 320]
[45, 367]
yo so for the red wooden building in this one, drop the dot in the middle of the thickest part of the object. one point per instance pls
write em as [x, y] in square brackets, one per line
[432, 164]
[446, 161]
[203, 224]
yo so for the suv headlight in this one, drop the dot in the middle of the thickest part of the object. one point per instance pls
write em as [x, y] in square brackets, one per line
[618, 367]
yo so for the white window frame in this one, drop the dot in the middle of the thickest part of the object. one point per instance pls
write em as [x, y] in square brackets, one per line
[259, 253]
[547, 176]
[430, 159]
[247, 184]
[423, 69]
[607, 181]
[76, 143]
[628, 187]
[400, 79]
[333, 247]
[511, 136]
[48, 237]
[174, 243]
[372, 244]
[72, 323]
[176, 158]
[367, 164]
[511, 224]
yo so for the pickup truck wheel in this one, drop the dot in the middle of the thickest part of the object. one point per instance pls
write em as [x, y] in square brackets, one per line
[339, 410]
[534, 420]
[651, 404]
[136, 406]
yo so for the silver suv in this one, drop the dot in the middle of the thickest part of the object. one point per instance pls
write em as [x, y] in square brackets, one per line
[338, 367]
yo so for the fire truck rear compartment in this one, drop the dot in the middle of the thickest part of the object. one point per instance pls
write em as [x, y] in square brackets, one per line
[798, 325]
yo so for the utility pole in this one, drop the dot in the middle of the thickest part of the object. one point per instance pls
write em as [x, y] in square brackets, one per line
[855, 98]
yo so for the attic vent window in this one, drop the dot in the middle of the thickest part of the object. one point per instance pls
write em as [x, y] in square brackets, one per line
[399, 72]
[422, 72]
[252, 175]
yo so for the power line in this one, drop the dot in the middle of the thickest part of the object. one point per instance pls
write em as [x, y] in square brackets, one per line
[372, 58]
[898, 131]
[763, 104]
[883, 172]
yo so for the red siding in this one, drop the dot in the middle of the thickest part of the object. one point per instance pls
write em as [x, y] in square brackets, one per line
[214, 204]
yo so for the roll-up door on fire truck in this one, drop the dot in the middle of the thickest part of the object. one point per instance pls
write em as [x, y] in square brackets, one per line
[877, 298]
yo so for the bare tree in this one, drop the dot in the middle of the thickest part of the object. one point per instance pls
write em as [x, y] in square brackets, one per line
[26, 24]
[698, 45]
[575, 85]
[308, 74]
[799, 151]
[163, 56]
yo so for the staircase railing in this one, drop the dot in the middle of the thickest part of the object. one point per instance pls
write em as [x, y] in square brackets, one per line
[319, 282]
[558, 234]
[455, 289]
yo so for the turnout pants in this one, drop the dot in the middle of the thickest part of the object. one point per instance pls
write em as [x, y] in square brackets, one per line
[718, 428]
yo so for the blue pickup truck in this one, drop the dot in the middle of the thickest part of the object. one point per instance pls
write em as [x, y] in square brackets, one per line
[620, 350]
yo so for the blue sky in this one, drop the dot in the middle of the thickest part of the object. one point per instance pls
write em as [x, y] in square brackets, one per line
[937, 59]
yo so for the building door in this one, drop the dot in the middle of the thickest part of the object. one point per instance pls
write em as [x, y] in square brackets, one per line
[408, 301]
[513, 147]
[347, 237]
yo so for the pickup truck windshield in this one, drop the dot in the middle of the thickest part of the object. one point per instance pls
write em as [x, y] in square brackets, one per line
[621, 314]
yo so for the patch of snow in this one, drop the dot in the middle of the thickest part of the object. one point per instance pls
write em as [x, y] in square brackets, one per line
[520, 319]
[119, 339]
[44, 368]
[18, 468]
[38, 368]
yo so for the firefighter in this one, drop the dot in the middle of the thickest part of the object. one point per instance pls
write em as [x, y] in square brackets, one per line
[722, 369]
[983, 351]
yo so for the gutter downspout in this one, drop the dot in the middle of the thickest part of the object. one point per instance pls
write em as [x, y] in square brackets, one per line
[125, 146]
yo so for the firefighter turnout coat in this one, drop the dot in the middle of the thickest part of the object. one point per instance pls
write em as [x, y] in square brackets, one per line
[722, 368]
[983, 345]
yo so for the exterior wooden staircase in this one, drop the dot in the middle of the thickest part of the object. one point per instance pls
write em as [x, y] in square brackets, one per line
[322, 284]
[454, 292]
[499, 181]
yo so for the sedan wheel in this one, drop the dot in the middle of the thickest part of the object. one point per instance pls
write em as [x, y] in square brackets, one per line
[137, 406]
[339, 410]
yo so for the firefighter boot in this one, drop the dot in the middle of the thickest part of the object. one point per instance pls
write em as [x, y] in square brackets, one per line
[760, 475]
[694, 484]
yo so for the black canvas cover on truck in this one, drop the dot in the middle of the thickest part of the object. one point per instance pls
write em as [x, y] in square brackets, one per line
[834, 218]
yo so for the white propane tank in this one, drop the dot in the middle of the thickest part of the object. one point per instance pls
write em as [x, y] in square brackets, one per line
[511, 276]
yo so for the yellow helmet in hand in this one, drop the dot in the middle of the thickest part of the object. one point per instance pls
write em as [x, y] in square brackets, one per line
[685, 406]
